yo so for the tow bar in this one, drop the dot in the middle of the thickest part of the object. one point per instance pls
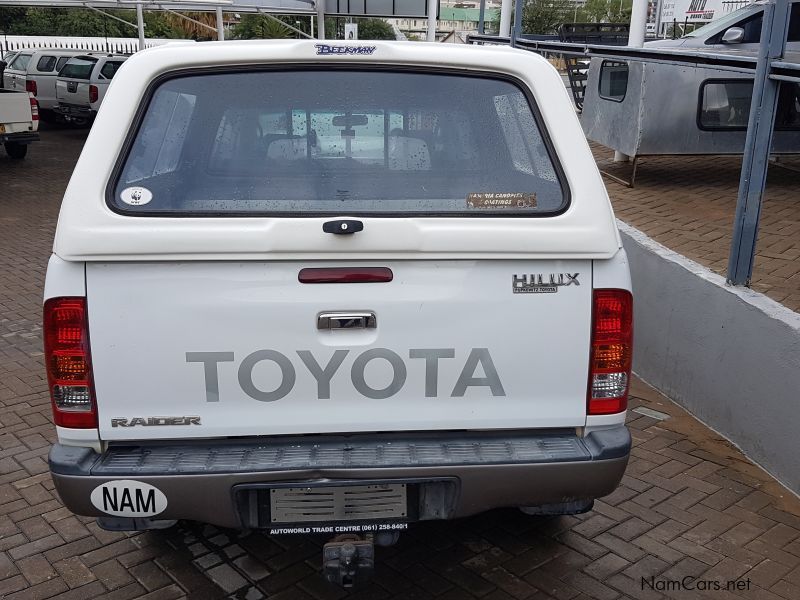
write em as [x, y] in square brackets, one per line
[348, 560]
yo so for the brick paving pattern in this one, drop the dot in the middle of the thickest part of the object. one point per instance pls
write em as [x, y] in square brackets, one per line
[688, 203]
[689, 505]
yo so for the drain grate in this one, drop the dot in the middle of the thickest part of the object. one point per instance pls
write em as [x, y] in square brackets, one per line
[653, 414]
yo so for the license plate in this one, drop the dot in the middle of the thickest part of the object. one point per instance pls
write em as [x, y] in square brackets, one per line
[375, 502]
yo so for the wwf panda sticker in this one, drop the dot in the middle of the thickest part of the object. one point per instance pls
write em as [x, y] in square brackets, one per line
[136, 196]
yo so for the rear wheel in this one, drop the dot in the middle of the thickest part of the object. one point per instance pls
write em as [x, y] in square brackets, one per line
[16, 150]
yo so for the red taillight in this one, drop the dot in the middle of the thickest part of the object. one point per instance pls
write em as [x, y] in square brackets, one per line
[611, 352]
[34, 108]
[30, 86]
[69, 363]
[346, 275]
[93, 94]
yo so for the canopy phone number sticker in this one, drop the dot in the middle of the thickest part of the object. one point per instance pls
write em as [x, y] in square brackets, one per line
[501, 200]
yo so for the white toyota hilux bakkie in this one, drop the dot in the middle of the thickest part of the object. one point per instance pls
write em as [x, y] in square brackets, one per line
[329, 287]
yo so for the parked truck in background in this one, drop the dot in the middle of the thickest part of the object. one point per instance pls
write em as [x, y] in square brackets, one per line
[19, 122]
[82, 84]
[35, 71]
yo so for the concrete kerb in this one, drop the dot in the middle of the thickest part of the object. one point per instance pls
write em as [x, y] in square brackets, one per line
[729, 355]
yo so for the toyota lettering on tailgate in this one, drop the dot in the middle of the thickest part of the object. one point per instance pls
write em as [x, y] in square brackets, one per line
[478, 359]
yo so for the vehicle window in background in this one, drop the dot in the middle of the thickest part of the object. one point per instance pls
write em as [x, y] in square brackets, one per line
[46, 63]
[20, 63]
[613, 80]
[78, 68]
[752, 29]
[794, 23]
[110, 69]
[61, 62]
[339, 141]
[725, 21]
[725, 104]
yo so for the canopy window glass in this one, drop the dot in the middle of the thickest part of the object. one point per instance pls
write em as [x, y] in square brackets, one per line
[725, 105]
[613, 80]
[339, 141]
[78, 68]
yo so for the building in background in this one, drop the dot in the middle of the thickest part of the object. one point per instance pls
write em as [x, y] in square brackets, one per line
[686, 15]
[456, 21]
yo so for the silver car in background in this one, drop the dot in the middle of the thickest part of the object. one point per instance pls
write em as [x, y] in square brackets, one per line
[739, 30]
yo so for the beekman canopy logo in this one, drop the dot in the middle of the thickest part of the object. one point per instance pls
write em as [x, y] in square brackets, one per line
[328, 49]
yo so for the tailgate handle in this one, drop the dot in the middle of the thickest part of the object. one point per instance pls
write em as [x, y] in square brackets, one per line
[346, 320]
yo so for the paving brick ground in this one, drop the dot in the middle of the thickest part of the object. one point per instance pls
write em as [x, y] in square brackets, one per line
[689, 505]
[688, 204]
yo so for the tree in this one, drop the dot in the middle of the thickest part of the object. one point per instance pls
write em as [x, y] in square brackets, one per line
[80, 22]
[262, 27]
[606, 11]
[191, 30]
[9, 17]
[545, 16]
[375, 29]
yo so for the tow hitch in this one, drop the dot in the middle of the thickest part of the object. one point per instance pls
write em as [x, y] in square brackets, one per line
[348, 560]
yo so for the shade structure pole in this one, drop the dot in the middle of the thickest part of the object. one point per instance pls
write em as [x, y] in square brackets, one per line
[320, 4]
[220, 25]
[635, 40]
[140, 25]
[433, 5]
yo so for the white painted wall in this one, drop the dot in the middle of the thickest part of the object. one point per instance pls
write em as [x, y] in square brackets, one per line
[731, 356]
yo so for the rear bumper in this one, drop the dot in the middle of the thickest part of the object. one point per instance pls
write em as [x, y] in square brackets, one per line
[20, 137]
[490, 470]
[74, 110]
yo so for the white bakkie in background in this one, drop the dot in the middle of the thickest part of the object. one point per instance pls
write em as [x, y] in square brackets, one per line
[19, 122]
[82, 84]
[402, 299]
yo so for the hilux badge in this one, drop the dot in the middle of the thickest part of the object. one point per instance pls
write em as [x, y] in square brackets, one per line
[539, 283]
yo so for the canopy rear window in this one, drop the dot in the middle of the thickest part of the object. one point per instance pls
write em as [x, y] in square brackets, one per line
[310, 142]
[78, 68]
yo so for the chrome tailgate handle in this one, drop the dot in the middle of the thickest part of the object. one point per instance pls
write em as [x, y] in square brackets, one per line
[346, 320]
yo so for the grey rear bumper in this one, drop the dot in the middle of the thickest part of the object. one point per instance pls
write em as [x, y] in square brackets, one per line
[492, 469]
[19, 137]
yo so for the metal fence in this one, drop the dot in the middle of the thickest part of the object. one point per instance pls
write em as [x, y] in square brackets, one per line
[12, 43]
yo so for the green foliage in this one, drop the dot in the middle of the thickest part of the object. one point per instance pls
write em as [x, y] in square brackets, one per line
[262, 27]
[80, 22]
[544, 16]
[374, 29]
[10, 16]
[606, 11]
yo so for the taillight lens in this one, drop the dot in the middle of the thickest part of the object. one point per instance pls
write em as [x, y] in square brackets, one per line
[69, 364]
[34, 109]
[93, 93]
[30, 86]
[611, 352]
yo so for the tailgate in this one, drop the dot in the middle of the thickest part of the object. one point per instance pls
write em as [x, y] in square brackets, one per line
[15, 107]
[207, 349]
[71, 91]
